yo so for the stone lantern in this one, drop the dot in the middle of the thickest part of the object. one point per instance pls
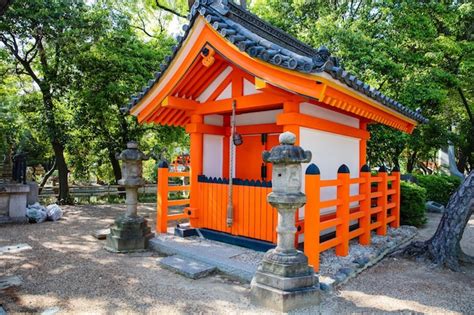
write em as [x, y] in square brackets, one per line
[130, 232]
[284, 280]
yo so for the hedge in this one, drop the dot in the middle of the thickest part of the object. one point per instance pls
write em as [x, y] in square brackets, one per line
[412, 204]
[439, 188]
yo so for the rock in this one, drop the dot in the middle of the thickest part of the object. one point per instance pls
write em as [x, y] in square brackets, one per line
[346, 270]
[101, 234]
[13, 249]
[361, 261]
[340, 277]
[325, 287]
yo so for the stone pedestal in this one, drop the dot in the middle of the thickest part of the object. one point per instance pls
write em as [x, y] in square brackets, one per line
[129, 234]
[33, 193]
[285, 282]
[13, 200]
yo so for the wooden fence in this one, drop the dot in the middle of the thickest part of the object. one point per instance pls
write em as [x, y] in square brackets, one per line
[376, 205]
[163, 202]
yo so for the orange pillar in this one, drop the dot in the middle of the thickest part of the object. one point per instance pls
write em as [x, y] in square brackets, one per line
[292, 107]
[196, 154]
[382, 230]
[225, 148]
[365, 206]
[162, 198]
[396, 198]
[342, 211]
[312, 215]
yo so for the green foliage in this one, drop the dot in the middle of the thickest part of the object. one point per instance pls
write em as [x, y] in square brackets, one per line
[418, 52]
[412, 204]
[439, 188]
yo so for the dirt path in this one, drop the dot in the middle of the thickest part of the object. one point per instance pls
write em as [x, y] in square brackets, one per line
[67, 268]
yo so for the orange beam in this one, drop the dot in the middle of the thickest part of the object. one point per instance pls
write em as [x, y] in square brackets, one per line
[321, 124]
[244, 103]
[179, 103]
[259, 129]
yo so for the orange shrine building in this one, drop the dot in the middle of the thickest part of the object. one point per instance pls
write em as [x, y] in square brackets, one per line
[229, 59]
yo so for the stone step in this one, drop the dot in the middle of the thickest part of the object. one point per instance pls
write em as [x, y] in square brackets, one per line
[13, 249]
[10, 281]
[186, 267]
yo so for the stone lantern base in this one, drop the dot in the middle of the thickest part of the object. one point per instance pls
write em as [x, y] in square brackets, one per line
[285, 282]
[129, 234]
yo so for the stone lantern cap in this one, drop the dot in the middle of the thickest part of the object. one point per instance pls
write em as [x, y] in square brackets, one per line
[287, 152]
[132, 153]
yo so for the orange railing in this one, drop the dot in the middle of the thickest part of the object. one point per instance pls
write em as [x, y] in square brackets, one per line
[164, 187]
[376, 205]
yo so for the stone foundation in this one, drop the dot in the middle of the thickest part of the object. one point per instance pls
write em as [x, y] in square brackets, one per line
[129, 234]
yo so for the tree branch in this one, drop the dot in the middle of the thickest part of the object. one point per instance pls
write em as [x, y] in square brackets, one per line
[466, 105]
[170, 10]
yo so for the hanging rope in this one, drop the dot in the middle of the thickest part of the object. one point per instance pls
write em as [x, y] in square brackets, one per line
[230, 206]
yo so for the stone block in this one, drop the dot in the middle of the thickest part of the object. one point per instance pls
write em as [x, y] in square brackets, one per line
[101, 234]
[13, 249]
[187, 267]
[129, 234]
[284, 301]
[432, 206]
[10, 281]
[32, 196]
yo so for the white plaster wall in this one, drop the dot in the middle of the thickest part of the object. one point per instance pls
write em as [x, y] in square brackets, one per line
[226, 93]
[212, 155]
[264, 117]
[320, 112]
[249, 88]
[215, 120]
[330, 151]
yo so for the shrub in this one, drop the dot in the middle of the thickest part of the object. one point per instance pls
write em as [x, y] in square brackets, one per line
[439, 188]
[412, 204]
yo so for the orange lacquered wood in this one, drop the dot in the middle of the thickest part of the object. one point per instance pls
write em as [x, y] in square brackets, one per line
[364, 222]
[396, 200]
[355, 233]
[342, 212]
[258, 211]
[375, 210]
[162, 201]
[330, 223]
[332, 182]
[382, 215]
[356, 215]
[179, 188]
[356, 198]
[329, 244]
[312, 219]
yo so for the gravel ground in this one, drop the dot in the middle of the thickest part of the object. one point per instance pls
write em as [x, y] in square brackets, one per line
[67, 268]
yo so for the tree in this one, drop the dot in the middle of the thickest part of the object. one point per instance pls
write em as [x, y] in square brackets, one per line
[41, 40]
[444, 247]
[416, 52]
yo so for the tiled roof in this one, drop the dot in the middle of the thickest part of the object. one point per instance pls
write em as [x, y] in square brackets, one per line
[261, 40]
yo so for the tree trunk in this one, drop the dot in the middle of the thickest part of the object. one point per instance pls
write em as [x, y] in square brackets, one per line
[63, 173]
[115, 166]
[444, 247]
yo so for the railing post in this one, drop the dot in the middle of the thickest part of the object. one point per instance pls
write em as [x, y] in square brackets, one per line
[342, 211]
[162, 198]
[312, 215]
[396, 197]
[382, 230]
[365, 205]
